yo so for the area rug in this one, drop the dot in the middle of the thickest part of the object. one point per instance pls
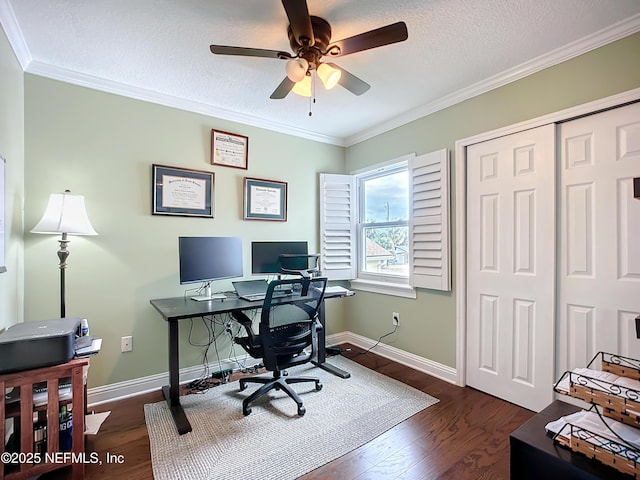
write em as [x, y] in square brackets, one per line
[274, 443]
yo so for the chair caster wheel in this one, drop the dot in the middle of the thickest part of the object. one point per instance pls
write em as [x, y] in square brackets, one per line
[246, 411]
[318, 386]
[301, 411]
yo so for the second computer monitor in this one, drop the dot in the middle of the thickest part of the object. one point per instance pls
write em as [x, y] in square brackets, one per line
[264, 256]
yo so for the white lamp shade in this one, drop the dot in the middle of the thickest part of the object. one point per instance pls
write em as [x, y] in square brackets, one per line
[297, 69]
[303, 87]
[329, 75]
[65, 213]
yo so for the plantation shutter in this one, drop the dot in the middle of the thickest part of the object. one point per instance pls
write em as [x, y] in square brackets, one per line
[429, 222]
[337, 226]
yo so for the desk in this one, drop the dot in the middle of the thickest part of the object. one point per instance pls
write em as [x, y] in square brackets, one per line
[180, 308]
[534, 455]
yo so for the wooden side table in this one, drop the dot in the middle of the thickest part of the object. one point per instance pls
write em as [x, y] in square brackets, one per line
[22, 464]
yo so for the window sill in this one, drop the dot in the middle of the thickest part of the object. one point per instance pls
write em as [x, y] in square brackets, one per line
[397, 290]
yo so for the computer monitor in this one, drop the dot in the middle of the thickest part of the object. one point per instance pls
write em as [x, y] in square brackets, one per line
[205, 259]
[264, 256]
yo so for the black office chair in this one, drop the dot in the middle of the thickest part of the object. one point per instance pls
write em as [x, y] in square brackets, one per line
[305, 265]
[288, 336]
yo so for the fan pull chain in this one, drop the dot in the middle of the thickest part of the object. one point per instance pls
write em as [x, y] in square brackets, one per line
[312, 97]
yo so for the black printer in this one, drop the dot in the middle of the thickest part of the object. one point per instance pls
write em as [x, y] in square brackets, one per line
[38, 344]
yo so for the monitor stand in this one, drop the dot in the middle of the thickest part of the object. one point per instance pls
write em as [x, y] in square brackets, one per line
[208, 295]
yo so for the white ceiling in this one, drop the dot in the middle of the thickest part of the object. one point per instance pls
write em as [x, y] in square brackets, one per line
[158, 50]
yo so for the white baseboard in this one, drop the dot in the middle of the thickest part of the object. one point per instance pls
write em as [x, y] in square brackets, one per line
[435, 369]
[137, 386]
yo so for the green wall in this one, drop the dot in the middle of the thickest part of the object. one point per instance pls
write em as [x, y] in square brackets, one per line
[102, 146]
[12, 149]
[428, 323]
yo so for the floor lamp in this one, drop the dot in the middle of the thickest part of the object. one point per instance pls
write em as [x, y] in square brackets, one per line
[65, 214]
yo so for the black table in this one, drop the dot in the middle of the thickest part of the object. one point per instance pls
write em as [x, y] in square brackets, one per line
[535, 456]
[180, 308]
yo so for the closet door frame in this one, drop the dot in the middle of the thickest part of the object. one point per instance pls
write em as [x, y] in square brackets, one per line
[460, 273]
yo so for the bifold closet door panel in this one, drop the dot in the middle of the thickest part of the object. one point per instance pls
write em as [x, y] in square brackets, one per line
[510, 267]
[599, 258]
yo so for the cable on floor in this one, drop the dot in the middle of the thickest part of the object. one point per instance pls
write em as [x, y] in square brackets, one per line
[376, 344]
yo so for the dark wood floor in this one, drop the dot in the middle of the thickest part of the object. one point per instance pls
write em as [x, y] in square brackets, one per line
[464, 436]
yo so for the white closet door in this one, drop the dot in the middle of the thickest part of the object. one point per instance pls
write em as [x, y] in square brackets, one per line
[599, 261]
[510, 262]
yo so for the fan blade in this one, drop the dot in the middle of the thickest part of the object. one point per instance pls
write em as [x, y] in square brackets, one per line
[248, 52]
[283, 89]
[394, 33]
[351, 82]
[300, 21]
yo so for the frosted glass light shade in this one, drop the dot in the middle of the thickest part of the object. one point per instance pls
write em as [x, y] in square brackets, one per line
[303, 87]
[65, 213]
[329, 75]
[297, 69]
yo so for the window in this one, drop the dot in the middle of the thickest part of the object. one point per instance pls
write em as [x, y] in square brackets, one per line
[383, 224]
[386, 228]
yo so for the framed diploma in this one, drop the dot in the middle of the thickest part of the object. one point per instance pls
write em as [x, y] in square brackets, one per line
[229, 149]
[265, 200]
[182, 192]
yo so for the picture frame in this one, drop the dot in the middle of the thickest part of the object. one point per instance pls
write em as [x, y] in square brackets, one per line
[229, 149]
[265, 199]
[3, 234]
[182, 192]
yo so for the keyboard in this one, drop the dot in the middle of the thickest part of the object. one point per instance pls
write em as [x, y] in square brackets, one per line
[254, 297]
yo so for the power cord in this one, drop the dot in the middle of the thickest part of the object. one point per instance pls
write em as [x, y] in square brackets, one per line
[222, 376]
[205, 381]
[202, 385]
[377, 343]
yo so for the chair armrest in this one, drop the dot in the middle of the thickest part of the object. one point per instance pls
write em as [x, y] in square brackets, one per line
[246, 322]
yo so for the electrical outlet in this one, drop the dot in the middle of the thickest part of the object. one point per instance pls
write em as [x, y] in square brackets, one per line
[395, 319]
[126, 344]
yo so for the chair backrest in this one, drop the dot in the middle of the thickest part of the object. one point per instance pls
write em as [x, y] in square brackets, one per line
[305, 265]
[288, 325]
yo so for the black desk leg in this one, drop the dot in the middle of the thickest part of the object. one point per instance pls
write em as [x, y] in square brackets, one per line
[172, 391]
[322, 353]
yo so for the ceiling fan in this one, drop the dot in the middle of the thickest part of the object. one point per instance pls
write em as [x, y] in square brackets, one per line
[310, 40]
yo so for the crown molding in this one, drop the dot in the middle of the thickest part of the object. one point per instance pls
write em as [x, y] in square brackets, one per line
[572, 50]
[603, 37]
[14, 34]
[110, 86]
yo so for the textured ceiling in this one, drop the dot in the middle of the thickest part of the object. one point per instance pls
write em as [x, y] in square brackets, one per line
[159, 50]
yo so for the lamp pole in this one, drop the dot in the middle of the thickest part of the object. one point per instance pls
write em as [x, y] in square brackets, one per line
[63, 253]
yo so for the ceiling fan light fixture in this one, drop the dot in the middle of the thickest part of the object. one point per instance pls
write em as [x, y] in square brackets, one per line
[297, 69]
[329, 75]
[303, 87]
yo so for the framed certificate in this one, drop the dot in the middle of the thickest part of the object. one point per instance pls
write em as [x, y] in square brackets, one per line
[229, 149]
[265, 200]
[182, 192]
